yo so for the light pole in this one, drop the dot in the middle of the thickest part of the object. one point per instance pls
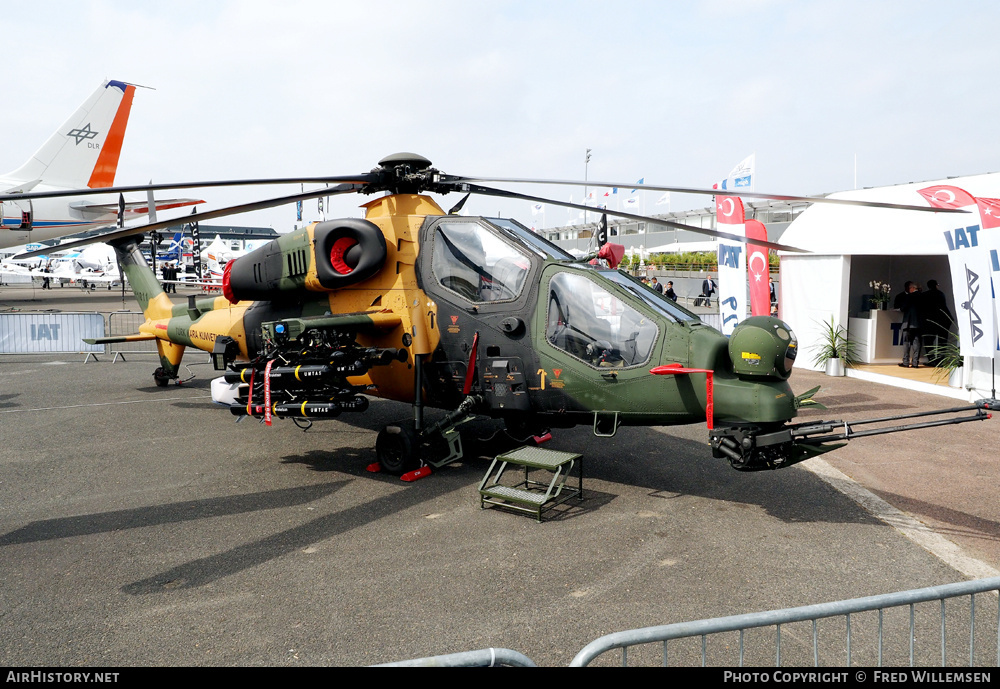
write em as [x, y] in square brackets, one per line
[586, 164]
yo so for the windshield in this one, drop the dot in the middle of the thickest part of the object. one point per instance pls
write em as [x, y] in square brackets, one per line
[594, 325]
[539, 244]
[650, 296]
[473, 262]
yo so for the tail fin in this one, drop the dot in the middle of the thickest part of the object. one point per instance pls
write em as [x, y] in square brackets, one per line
[155, 304]
[175, 252]
[84, 151]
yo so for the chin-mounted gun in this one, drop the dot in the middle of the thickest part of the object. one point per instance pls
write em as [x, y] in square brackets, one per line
[750, 447]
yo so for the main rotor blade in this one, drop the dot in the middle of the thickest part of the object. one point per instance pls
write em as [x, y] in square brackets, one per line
[197, 217]
[486, 191]
[711, 192]
[362, 179]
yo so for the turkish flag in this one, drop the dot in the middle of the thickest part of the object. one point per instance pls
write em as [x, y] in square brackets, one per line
[989, 212]
[729, 210]
[943, 196]
[757, 267]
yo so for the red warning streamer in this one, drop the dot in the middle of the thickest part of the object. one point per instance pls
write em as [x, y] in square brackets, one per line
[267, 392]
[677, 369]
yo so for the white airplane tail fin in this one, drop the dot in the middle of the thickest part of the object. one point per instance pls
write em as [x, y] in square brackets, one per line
[84, 150]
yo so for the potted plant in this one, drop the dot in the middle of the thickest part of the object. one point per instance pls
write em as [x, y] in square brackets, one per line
[835, 351]
[948, 362]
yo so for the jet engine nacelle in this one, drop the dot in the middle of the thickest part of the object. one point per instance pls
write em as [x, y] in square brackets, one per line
[340, 253]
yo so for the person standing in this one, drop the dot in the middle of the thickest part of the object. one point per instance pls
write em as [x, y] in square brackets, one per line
[657, 286]
[909, 304]
[936, 319]
[669, 292]
[707, 290]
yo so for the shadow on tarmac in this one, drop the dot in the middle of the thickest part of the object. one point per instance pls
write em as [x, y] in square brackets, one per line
[173, 513]
[963, 523]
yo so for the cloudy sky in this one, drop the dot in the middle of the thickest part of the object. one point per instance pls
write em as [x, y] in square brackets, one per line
[676, 93]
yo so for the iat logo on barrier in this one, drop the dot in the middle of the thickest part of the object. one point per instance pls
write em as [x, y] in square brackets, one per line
[45, 331]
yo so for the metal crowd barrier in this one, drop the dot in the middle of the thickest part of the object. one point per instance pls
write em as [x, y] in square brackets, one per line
[487, 657]
[924, 631]
[712, 319]
[813, 613]
[127, 323]
[45, 333]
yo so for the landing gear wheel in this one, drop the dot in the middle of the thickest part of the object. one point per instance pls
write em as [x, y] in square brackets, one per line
[521, 429]
[398, 448]
[161, 378]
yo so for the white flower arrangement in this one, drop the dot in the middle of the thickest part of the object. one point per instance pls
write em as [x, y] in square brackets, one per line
[882, 292]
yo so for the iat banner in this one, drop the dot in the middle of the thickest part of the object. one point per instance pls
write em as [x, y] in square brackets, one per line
[732, 263]
[968, 242]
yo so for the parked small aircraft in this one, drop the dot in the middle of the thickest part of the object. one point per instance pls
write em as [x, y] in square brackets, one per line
[83, 152]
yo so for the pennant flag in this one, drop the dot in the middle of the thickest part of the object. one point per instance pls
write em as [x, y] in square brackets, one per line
[641, 181]
[970, 260]
[732, 263]
[740, 177]
[758, 269]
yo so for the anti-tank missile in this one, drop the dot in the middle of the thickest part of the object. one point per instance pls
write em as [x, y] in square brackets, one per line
[313, 409]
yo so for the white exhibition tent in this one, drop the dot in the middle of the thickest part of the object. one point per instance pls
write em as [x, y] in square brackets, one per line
[849, 246]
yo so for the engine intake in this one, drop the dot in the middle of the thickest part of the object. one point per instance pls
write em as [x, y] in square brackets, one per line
[341, 252]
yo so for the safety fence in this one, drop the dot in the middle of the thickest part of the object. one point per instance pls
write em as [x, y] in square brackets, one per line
[712, 319]
[127, 323]
[919, 627]
[923, 639]
[44, 333]
[48, 333]
[486, 657]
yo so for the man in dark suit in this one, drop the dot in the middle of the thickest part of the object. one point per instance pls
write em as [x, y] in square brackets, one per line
[936, 318]
[707, 290]
[908, 302]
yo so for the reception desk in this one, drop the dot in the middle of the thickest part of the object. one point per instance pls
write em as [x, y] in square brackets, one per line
[879, 338]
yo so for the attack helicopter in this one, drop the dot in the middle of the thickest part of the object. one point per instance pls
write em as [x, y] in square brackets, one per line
[474, 316]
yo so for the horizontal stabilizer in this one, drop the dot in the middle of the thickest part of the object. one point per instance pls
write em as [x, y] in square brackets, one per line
[133, 206]
[119, 338]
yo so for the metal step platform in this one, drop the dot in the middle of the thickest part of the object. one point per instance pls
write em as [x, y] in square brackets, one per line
[531, 496]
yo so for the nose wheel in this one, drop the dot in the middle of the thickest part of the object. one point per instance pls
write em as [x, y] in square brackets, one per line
[397, 448]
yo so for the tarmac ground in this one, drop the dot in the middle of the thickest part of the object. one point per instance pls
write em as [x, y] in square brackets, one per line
[144, 526]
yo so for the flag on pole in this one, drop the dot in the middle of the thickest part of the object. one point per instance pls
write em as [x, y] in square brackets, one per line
[741, 177]
[970, 260]
[732, 263]
[759, 272]
[664, 200]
